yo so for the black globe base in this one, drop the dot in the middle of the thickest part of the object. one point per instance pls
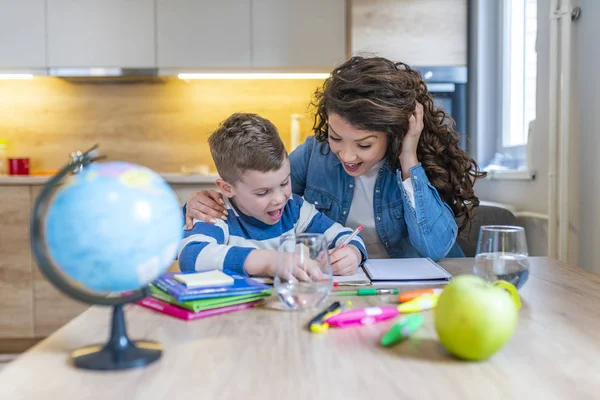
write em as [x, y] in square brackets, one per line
[120, 352]
[137, 354]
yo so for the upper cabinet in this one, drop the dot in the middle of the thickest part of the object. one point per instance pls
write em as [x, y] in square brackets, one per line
[298, 34]
[242, 34]
[419, 33]
[307, 35]
[107, 33]
[22, 34]
[203, 33]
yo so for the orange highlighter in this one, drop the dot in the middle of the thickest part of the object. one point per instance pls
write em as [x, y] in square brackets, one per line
[408, 296]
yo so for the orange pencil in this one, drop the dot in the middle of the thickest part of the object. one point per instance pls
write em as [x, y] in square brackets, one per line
[407, 296]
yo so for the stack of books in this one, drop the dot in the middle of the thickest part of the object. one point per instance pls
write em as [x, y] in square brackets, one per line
[189, 299]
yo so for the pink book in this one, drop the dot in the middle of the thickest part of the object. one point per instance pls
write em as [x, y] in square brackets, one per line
[181, 313]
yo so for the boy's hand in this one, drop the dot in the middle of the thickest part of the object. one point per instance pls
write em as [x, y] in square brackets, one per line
[345, 261]
[264, 262]
[205, 205]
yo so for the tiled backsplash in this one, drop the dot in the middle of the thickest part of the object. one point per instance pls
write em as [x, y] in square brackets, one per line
[163, 125]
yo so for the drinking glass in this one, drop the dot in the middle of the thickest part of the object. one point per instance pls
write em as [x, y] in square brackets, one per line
[502, 254]
[303, 276]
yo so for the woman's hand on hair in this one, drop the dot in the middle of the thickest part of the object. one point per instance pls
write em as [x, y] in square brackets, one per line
[408, 155]
[205, 205]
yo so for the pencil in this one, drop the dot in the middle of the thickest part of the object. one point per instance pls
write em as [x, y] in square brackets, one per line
[349, 238]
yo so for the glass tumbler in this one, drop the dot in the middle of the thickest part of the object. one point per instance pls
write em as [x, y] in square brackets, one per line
[502, 254]
[303, 276]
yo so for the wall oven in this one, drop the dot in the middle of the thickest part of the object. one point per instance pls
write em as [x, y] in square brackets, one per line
[448, 86]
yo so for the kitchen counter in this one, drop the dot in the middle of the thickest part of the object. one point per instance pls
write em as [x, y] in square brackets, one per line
[170, 177]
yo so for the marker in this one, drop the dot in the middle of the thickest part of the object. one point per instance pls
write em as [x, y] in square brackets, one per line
[318, 324]
[362, 316]
[407, 296]
[372, 315]
[417, 304]
[403, 328]
[349, 239]
[366, 292]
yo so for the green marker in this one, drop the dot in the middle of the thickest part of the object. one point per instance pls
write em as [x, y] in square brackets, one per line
[367, 292]
[402, 329]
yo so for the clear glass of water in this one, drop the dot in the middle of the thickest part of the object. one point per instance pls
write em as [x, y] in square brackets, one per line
[303, 276]
[502, 254]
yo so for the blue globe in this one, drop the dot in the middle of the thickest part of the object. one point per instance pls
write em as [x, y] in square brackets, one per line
[113, 227]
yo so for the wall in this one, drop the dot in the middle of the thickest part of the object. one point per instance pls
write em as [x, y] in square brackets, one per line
[584, 179]
[163, 125]
[513, 192]
[586, 132]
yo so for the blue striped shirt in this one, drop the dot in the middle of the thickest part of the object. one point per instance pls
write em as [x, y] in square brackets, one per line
[226, 244]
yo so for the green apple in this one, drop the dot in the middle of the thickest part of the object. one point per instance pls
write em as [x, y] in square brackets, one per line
[475, 318]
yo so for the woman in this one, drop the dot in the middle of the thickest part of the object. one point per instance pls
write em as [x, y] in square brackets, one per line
[382, 156]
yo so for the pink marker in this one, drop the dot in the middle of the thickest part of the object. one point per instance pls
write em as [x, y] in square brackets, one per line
[362, 316]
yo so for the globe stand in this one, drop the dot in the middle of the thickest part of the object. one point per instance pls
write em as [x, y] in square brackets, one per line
[119, 352]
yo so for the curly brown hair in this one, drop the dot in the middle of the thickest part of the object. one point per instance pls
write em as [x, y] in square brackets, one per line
[380, 95]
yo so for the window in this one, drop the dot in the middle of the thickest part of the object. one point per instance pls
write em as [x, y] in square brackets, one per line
[503, 64]
[519, 70]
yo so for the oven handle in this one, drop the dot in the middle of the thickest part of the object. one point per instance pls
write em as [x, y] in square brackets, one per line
[441, 87]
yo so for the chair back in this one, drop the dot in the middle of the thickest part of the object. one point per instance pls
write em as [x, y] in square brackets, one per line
[484, 215]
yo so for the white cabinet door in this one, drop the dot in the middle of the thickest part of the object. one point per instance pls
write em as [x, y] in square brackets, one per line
[293, 33]
[101, 33]
[203, 33]
[22, 34]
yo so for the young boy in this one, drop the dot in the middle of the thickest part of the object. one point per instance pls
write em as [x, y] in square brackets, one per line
[254, 175]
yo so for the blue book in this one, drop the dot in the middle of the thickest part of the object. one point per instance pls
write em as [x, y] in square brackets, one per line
[241, 285]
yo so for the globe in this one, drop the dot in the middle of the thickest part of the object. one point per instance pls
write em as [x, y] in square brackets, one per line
[113, 227]
[100, 232]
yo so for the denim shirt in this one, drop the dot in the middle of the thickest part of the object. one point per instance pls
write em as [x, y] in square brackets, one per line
[427, 230]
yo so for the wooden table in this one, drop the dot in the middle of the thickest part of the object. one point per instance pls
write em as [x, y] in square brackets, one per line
[268, 354]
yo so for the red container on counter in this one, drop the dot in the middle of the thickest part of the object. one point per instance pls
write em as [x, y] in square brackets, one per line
[18, 166]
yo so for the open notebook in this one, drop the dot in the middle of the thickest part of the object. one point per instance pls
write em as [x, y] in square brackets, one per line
[405, 271]
[358, 279]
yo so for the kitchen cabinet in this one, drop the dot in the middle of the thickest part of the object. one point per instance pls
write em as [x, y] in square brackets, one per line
[173, 34]
[52, 309]
[107, 33]
[203, 33]
[302, 34]
[419, 33]
[244, 34]
[30, 306]
[16, 301]
[22, 34]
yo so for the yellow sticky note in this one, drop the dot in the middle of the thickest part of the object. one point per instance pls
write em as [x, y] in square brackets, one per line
[201, 279]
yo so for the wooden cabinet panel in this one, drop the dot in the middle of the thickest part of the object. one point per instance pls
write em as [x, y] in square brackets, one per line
[30, 306]
[16, 300]
[52, 309]
[419, 33]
